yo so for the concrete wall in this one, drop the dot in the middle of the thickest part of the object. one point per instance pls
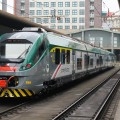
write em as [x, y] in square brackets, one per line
[103, 38]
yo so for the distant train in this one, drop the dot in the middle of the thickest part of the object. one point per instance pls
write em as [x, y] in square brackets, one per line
[32, 60]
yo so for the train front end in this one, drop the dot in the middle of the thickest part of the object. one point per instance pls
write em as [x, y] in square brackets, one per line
[17, 64]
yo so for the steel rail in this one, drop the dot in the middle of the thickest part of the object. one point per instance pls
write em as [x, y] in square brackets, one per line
[106, 102]
[5, 112]
[74, 105]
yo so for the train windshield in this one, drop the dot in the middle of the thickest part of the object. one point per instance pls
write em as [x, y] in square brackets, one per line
[15, 46]
[14, 51]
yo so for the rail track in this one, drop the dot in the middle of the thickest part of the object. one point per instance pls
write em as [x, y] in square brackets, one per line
[12, 105]
[94, 103]
[45, 109]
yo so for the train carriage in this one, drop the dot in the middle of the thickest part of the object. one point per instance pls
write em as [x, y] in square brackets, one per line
[33, 60]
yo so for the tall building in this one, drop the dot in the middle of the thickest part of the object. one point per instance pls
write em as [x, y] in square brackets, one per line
[57, 14]
[4, 5]
[21, 8]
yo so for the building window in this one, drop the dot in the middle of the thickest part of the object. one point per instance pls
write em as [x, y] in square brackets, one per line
[101, 41]
[82, 4]
[53, 20]
[53, 4]
[67, 27]
[38, 20]
[60, 12]
[60, 27]
[45, 20]
[74, 20]
[115, 42]
[74, 27]
[67, 12]
[32, 19]
[60, 4]
[82, 12]
[52, 12]
[32, 4]
[67, 20]
[39, 12]
[46, 12]
[46, 4]
[22, 13]
[32, 12]
[61, 20]
[74, 4]
[81, 20]
[67, 4]
[39, 4]
[81, 27]
[92, 40]
[74, 12]
[53, 26]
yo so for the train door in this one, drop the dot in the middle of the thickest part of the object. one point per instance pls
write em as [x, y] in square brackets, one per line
[73, 64]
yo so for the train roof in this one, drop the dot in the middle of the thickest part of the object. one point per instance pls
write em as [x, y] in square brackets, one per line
[55, 39]
[30, 36]
[69, 42]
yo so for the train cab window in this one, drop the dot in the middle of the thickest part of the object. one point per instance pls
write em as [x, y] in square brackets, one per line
[57, 56]
[68, 57]
[39, 52]
[42, 48]
[63, 56]
[79, 63]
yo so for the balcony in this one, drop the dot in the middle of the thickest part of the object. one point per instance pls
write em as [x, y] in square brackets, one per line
[22, 8]
[91, 7]
[91, 15]
[91, 23]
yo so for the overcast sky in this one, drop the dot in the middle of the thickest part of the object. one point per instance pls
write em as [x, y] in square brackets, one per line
[111, 4]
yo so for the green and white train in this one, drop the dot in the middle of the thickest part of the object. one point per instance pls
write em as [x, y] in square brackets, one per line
[32, 60]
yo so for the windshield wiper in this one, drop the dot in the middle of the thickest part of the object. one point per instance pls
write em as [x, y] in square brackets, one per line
[24, 52]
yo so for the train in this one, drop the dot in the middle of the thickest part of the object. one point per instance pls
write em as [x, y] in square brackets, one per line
[33, 60]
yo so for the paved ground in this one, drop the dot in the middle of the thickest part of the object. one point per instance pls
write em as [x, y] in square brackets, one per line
[117, 115]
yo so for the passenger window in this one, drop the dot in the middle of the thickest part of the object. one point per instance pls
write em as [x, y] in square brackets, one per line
[97, 61]
[63, 56]
[101, 60]
[79, 63]
[86, 57]
[68, 57]
[91, 62]
[57, 56]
